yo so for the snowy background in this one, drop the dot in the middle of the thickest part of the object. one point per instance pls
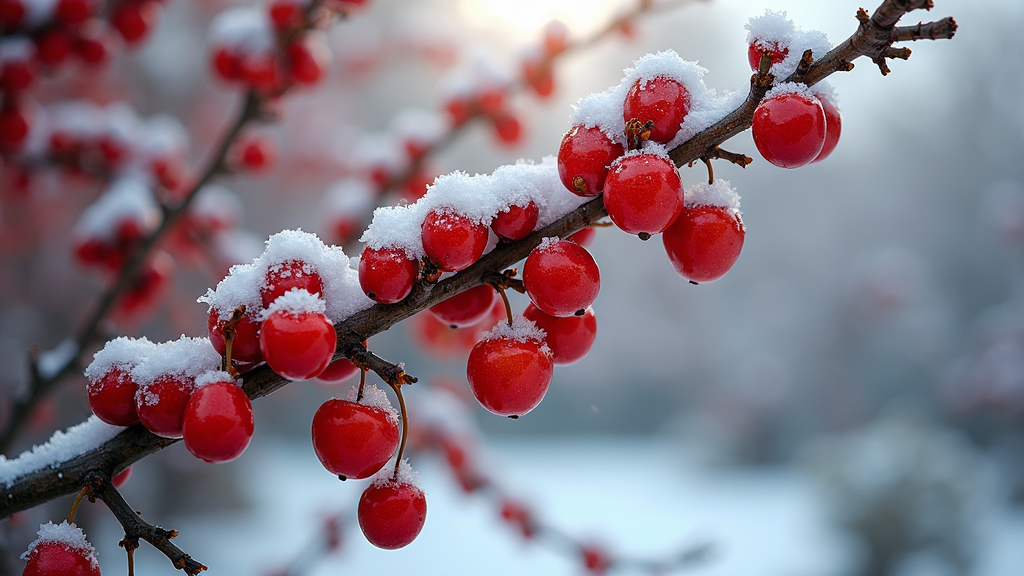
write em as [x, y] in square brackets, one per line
[854, 384]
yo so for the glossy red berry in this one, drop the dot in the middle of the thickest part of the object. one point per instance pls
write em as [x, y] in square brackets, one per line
[833, 128]
[466, 308]
[583, 237]
[509, 377]
[161, 404]
[218, 422]
[704, 242]
[60, 559]
[517, 222]
[568, 338]
[112, 398]
[354, 440]
[286, 276]
[561, 278]
[583, 159]
[297, 346]
[391, 514]
[451, 240]
[246, 345]
[778, 54]
[121, 477]
[338, 371]
[11, 13]
[387, 275]
[661, 100]
[643, 193]
[789, 129]
[134, 20]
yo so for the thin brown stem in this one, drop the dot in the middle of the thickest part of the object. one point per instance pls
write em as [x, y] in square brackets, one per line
[362, 384]
[508, 306]
[405, 427]
[84, 492]
[711, 169]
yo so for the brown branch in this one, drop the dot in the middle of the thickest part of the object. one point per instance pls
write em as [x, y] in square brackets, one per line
[135, 443]
[940, 30]
[135, 528]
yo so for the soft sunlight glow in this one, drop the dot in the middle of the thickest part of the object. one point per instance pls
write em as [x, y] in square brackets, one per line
[529, 16]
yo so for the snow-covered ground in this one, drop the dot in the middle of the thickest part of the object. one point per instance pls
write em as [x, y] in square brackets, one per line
[634, 495]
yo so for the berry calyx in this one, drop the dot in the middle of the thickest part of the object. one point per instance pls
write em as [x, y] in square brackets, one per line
[466, 308]
[354, 440]
[704, 242]
[218, 422]
[568, 338]
[391, 514]
[286, 276]
[112, 398]
[833, 127]
[661, 100]
[643, 193]
[517, 222]
[161, 404]
[297, 342]
[387, 275]
[789, 129]
[561, 278]
[451, 240]
[510, 369]
[583, 159]
[754, 51]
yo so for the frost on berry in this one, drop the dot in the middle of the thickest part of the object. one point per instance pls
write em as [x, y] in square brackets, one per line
[67, 535]
[778, 34]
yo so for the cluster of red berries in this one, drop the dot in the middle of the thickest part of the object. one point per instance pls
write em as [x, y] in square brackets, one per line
[176, 391]
[110, 229]
[269, 51]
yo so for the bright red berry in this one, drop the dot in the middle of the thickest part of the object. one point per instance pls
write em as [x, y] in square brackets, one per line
[568, 338]
[134, 20]
[309, 60]
[338, 371]
[387, 275]
[583, 159]
[112, 398]
[643, 193]
[391, 514]
[583, 237]
[286, 276]
[509, 376]
[704, 242]
[246, 345]
[507, 128]
[218, 421]
[466, 308]
[161, 404]
[561, 278]
[833, 127]
[451, 240]
[517, 222]
[778, 54]
[789, 129]
[661, 100]
[354, 440]
[257, 152]
[121, 477]
[286, 14]
[227, 64]
[297, 345]
[61, 559]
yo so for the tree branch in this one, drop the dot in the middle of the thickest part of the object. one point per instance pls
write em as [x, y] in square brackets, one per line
[135, 443]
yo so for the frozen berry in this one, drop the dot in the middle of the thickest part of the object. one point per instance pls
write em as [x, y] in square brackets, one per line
[517, 222]
[161, 404]
[297, 345]
[789, 129]
[583, 159]
[509, 376]
[452, 241]
[643, 193]
[387, 275]
[285, 276]
[568, 338]
[391, 514]
[218, 423]
[660, 100]
[112, 398]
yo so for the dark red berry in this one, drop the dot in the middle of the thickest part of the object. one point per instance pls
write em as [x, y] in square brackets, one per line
[246, 345]
[161, 404]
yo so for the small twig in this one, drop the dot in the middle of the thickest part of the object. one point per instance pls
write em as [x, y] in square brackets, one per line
[939, 30]
[405, 426]
[741, 160]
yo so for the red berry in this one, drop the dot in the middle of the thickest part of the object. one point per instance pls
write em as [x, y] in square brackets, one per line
[14, 125]
[15, 75]
[262, 71]
[297, 346]
[121, 477]
[72, 12]
[833, 127]
[309, 60]
[508, 128]
[112, 398]
[704, 242]
[286, 14]
[466, 308]
[519, 516]
[134, 20]
[583, 237]
[338, 371]
[53, 46]
[257, 152]
[517, 222]
[218, 422]
[789, 129]
[509, 377]
[561, 278]
[354, 440]
[387, 275]
[161, 404]
[11, 13]
[643, 193]
[539, 76]
[661, 100]
[568, 338]
[452, 241]
[60, 559]
[227, 64]
[143, 293]
[595, 560]
[246, 345]
[391, 514]
[778, 54]
[286, 276]
[459, 109]
[583, 159]
[440, 339]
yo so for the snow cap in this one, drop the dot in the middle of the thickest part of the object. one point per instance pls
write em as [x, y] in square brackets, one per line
[375, 398]
[123, 353]
[68, 534]
[720, 194]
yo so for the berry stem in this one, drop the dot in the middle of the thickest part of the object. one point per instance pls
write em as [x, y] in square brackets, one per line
[711, 170]
[405, 426]
[508, 307]
[85, 491]
[229, 338]
[362, 383]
